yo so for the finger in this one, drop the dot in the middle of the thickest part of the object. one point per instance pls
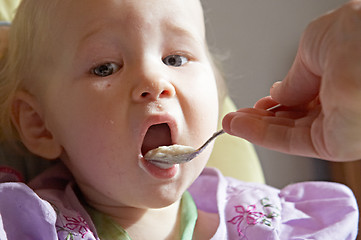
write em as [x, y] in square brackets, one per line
[284, 115]
[265, 103]
[341, 78]
[277, 133]
[321, 43]
[300, 86]
[226, 122]
[302, 82]
[342, 84]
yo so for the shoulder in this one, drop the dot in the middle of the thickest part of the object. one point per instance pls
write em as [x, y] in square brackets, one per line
[56, 185]
[51, 211]
[24, 215]
[316, 210]
[322, 209]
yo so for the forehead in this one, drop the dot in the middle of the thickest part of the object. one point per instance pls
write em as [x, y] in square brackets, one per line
[130, 14]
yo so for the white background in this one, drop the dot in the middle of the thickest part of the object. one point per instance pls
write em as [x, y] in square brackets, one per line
[257, 41]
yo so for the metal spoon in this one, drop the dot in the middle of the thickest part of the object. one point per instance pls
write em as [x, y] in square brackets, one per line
[176, 154]
[165, 156]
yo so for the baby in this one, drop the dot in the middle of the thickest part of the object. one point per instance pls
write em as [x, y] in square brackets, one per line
[97, 84]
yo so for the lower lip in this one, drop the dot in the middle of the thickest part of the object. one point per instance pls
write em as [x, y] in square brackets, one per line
[158, 172]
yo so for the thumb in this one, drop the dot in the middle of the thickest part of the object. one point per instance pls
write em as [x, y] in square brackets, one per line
[300, 85]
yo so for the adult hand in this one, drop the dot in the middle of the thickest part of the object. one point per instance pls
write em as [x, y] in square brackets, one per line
[321, 95]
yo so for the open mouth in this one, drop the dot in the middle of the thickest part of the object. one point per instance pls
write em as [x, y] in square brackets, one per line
[157, 135]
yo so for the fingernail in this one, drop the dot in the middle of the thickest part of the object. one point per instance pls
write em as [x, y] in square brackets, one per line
[227, 121]
[276, 84]
[275, 88]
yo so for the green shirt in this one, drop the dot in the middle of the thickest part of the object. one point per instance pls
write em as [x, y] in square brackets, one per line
[108, 229]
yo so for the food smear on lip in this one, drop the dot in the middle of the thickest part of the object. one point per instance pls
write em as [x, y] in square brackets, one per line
[165, 156]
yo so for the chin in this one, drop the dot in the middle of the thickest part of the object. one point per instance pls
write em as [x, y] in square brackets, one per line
[167, 194]
[163, 200]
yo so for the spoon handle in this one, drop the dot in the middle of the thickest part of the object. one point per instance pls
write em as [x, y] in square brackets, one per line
[216, 134]
[220, 132]
[274, 107]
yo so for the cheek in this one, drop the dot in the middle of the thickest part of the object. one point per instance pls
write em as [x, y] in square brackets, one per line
[201, 108]
[81, 128]
[204, 95]
[92, 148]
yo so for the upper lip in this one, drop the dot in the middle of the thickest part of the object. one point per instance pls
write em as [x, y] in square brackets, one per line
[159, 118]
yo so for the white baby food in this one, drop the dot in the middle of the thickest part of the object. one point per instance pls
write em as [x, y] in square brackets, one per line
[165, 156]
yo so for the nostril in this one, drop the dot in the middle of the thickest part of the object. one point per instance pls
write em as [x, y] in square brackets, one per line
[147, 90]
[165, 93]
[144, 94]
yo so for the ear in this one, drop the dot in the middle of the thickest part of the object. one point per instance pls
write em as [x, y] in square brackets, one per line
[29, 122]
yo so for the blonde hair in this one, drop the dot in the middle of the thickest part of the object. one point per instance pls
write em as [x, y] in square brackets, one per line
[29, 48]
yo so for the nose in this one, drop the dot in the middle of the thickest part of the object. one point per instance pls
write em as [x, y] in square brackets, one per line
[152, 85]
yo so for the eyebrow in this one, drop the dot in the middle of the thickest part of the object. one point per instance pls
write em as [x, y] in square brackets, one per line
[91, 33]
[182, 31]
[167, 27]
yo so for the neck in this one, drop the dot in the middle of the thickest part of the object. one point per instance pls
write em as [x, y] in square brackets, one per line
[141, 223]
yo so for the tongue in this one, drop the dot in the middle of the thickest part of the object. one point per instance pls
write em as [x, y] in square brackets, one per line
[157, 135]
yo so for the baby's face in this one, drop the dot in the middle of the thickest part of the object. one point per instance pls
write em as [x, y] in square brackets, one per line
[128, 76]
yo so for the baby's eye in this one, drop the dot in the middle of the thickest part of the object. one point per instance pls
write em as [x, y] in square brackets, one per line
[175, 60]
[106, 69]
